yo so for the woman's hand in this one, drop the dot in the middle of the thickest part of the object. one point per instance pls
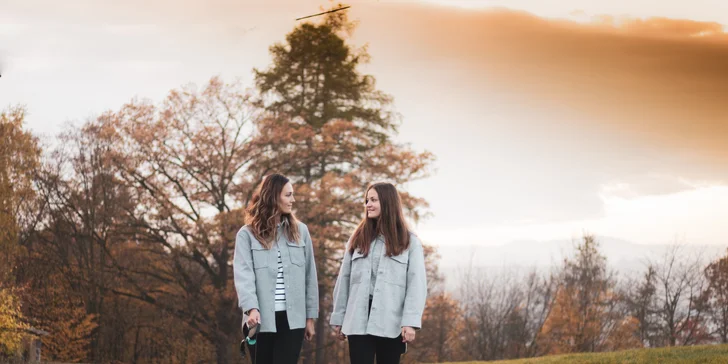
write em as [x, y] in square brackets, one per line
[253, 318]
[408, 334]
[338, 334]
[310, 330]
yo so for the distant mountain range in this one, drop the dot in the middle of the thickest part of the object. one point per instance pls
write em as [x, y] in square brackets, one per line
[623, 256]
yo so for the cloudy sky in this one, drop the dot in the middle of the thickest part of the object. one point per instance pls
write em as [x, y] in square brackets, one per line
[548, 118]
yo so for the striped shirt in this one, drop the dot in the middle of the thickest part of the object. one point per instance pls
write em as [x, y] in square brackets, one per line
[280, 286]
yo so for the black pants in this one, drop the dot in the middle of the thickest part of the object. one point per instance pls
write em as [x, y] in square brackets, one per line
[280, 347]
[363, 348]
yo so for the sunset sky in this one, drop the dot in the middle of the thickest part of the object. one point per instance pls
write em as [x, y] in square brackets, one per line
[548, 118]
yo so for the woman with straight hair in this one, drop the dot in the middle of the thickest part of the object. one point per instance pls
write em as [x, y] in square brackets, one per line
[380, 293]
[275, 274]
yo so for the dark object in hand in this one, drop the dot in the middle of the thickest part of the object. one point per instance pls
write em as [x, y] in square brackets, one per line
[250, 338]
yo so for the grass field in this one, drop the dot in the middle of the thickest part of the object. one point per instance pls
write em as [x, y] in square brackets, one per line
[713, 354]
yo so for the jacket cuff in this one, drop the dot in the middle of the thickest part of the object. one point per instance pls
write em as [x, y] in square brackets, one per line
[414, 321]
[249, 304]
[312, 313]
[337, 319]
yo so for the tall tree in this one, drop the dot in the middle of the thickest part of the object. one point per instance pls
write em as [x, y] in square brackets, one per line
[439, 342]
[19, 160]
[717, 295]
[188, 164]
[331, 131]
[680, 284]
[584, 313]
[82, 224]
[314, 79]
[641, 303]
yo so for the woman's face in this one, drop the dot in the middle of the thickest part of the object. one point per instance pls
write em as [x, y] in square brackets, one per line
[286, 199]
[372, 203]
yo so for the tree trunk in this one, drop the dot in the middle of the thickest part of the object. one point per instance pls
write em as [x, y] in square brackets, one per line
[228, 330]
[222, 349]
[321, 329]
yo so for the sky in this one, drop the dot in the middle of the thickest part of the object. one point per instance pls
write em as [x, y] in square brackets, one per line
[548, 119]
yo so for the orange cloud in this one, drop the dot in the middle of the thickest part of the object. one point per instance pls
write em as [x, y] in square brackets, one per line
[663, 27]
[668, 91]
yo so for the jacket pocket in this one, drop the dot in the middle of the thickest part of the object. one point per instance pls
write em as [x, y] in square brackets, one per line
[260, 255]
[297, 253]
[358, 264]
[396, 269]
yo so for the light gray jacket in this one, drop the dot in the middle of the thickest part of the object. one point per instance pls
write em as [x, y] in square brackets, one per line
[399, 295]
[255, 269]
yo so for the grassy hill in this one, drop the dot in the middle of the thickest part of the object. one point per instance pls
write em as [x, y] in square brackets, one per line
[713, 354]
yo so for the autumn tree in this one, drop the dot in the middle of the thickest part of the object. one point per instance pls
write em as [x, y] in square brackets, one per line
[187, 165]
[12, 326]
[330, 130]
[624, 335]
[19, 159]
[61, 312]
[716, 294]
[442, 318]
[439, 342]
[71, 249]
[145, 203]
[584, 313]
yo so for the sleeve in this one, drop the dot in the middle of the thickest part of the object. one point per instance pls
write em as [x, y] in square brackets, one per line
[244, 273]
[312, 290]
[341, 290]
[416, 294]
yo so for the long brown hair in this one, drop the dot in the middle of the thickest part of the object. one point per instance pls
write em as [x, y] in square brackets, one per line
[263, 209]
[389, 223]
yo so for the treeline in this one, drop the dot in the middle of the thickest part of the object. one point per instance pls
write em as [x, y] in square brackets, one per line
[579, 306]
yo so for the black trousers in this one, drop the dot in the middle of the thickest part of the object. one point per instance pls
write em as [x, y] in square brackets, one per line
[363, 348]
[280, 347]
